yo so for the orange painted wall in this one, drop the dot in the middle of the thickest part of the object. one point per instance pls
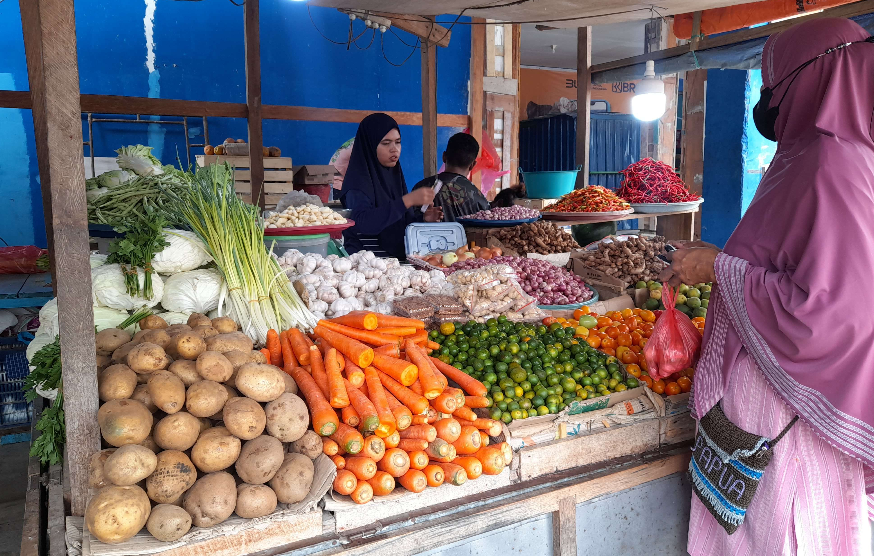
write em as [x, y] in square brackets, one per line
[548, 86]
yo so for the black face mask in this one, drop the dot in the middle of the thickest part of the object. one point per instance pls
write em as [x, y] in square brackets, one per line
[765, 116]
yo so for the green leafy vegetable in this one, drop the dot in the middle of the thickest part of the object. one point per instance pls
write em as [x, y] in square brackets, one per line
[139, 159]
[49, 446]
[142, 240]
[136, 317]
[47, 370]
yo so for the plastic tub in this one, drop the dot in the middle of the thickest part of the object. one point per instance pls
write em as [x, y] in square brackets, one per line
[317, 243]
[549, 185]
[572, 306]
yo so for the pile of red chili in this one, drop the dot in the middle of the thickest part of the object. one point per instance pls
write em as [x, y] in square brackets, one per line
[593, 198]
[651, 181]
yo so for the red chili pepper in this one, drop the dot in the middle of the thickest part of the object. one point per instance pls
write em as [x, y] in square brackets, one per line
[651, 181]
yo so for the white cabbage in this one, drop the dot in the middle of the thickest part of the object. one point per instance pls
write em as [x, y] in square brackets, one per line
[174, 318]
[93, 194]
[185, 252]
[114, 178]
[108, 289]
[104, 318]
[139, 159]
[195, 291]
[48, 318]
[97, 259]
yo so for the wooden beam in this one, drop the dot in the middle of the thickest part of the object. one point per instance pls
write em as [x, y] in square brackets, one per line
[564, 528]
[692, 155]
[584, 97]
[429, 108]
[514, 133]
[57, 108]
[253, 100]
[419, 26]
[500, 85]
[490, 50]
[696, 31]
[305, 113]
[477, 68]
[509, 50]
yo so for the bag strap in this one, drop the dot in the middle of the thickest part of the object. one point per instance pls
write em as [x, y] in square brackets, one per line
[784, 431]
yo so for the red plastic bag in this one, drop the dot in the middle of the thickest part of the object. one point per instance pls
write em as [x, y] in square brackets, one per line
[675, 342]
[20, 259]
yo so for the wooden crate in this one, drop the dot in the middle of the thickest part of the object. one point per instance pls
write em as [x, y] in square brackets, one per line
[277, 176]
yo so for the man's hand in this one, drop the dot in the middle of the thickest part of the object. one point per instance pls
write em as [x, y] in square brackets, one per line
[434, 214]
[690, 265]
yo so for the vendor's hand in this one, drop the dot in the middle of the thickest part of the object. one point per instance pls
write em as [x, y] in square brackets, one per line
[690, 265]
[688, 244]
[434, 214]
[419, 197]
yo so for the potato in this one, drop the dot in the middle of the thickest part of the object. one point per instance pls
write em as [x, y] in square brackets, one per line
[293, 480]
[117, 382]
[212, 365]
[157, 336]
[138, 337]
[168, 523]
[175, 329]
[212, 499]
[103, 361]
[244, 417]
[186, 370]
[205, 331]
[260, 459]
[142, 395]
[174, 474]
[147, 358]
[262, 383]
[310, 445]
[198, 319]
[153, 322]
[237, 358]
[150, 443]
[187, 345]
[117, 513]
[96, 475]
[177, 432]
[124, 422]
[110, 339]
[129, 465]
[205, 424]
[228, 342]
[255, 501]
[224, 325]
[205, 398]
[287, 418]
[215, 449]
[120, 355]
[290, 384]
[168, 391]
[256, 356]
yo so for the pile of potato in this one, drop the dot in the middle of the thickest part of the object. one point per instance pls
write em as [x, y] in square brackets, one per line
[197, 426]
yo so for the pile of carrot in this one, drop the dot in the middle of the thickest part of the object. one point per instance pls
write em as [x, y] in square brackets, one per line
[385, 408]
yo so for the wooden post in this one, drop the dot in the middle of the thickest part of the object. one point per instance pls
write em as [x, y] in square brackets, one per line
[692, 164]
[564, 528]
[51, 23]
[253, 101]
[584, 97]
[429, 107]
[477, 54]
[517, 75]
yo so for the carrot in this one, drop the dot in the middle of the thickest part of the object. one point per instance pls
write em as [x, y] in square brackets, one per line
[418, 459]
[339, 397]
[414, 480]
[392, 440]
[376, 393]
[370, 337]
[419, 420]
[382, 483]
[345, 482]
[324, 418]
[492, 427]
[413, 444]
[364, 407]
[353, 373]
[363, 493]
[484, 438]
[288, 360]
[317, 369]
[434, 474]
[472, 466]
[465, 413]
[469, 442]
[403, 371]
[417, 404]
[348, 438]
[454, 473]
[470, 385]
[354, 350]
[417, 388]
[430, 383]
[266, 353]
[477, 401]
[507, 450]
[424, 432]
[402, 414]
[445, 403]
[451, 455]
[274, 347]
[460, 398]
[391, 350]
[349, 416]
[299, 345]
[439, 448]
[431, 345]
[420, 336]
[358, 319]
[339, 461]
[363, 468]
[437, 373]
[329, 447]
[391, 321]
[397, 331]
[448, 429]
[374, 448]
[492, 459]
[396, 462]
[324, 346]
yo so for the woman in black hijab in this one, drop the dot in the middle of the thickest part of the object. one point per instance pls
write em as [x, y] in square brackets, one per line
[375, 190]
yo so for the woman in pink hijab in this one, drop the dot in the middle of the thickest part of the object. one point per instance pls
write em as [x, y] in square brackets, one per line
[791, 327]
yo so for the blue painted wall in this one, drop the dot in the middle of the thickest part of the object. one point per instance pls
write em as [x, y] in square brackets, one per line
[758, 151]
[195, 51]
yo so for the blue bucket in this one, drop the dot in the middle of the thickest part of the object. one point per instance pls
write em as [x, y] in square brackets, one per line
[550, 185]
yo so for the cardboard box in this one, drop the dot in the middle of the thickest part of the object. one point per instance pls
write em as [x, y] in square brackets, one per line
[536, 204]
[311, 174]
[607, 286]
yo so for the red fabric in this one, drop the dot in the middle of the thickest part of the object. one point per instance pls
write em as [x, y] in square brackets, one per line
[675, 341]
[20, 259]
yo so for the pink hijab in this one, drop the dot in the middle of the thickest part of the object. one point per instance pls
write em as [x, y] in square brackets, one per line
[795, 280]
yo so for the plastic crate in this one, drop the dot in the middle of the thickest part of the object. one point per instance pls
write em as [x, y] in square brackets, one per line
[14, 409]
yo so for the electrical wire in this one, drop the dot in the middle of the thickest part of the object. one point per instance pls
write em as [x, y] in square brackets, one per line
[344, 43]
[382, 47]
[520, 22]
[372, 35]
[240, 5]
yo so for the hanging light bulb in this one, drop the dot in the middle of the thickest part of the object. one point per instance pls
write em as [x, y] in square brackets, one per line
[649, 101]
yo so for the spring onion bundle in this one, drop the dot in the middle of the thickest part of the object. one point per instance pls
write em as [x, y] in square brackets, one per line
[259, 295]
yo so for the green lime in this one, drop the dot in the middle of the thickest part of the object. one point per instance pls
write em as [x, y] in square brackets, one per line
[553, 408]
[516, 414]
[513, 405]
[525, 404]
[583, 394]
[509, 392]
[553, 399]
[553, 379]
[612, 383]
[502, 404]
[586, 381]
[498, 397]
[568, 384]
[602, 373]
[542, 410]
[495, 413]
[632, 382]
[537, 401]
[621, 388]
[693, 303]
[507, 418]
[525, 386]
[518, 375]
[596, 380]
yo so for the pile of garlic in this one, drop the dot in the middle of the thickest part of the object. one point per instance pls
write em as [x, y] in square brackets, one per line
[304, 215]
[335, 286]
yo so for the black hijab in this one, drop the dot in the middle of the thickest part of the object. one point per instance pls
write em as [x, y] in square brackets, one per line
[365, 174]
